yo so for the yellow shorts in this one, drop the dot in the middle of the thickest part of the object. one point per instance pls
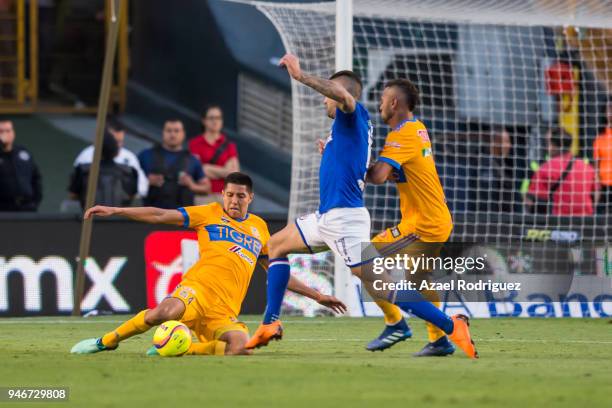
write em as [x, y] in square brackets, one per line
[205, 314]
[414, 246]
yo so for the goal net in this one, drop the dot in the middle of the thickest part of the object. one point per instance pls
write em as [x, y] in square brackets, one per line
[494, 77]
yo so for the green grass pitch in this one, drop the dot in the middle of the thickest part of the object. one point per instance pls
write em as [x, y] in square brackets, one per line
[320, 363]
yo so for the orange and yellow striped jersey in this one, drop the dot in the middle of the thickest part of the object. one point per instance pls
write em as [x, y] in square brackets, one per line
[422, 202]
[229, 249]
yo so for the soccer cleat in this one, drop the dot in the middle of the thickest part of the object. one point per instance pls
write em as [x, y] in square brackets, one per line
[390, 336]
[152, 351]
[265, 333]
[439, 348]
[90, 346]
[461, 335]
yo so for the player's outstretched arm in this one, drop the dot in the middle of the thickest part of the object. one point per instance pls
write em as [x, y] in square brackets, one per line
[150, 215]
[326, 87]
[379, 173]
[295, 285]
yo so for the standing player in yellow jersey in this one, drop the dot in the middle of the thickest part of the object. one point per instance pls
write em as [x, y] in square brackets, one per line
[209, 297]
[407, 159]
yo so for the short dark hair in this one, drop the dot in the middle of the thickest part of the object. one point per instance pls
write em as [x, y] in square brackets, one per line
[114, 124]
[408, 90]
[6, 119]
[353, 83]
[239, 178]
[560, 138]
[209, 107]
[173, 120]
[110, 147]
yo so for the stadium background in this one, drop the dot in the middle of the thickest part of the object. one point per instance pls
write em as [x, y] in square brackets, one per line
[178, 60]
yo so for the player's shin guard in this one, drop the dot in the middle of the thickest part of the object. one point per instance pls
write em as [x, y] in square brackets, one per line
[278, 277]
[132, 327]
[210, 348]
[413, 302]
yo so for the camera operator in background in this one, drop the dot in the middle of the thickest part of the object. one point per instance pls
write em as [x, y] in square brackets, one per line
[117, 183]
[174, 174]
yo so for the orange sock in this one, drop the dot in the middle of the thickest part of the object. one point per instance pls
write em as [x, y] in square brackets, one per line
[393, 314]
[135, 325]
[210, 348]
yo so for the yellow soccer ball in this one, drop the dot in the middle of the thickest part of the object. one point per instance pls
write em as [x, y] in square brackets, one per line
[172, 339]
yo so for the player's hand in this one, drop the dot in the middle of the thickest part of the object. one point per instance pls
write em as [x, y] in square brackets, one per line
[156, 180]
[321, 145]
[186, 180]
[292, 63]
[333, 303]
[393, 176]
[100, 211]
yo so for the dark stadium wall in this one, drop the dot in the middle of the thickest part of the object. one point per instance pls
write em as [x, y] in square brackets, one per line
[183, 58]
[179, 53]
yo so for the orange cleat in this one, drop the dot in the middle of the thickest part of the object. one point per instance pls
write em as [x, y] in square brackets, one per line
[461, 335]
[265, 333]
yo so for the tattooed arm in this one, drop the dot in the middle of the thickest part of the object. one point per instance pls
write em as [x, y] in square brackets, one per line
[326, 87]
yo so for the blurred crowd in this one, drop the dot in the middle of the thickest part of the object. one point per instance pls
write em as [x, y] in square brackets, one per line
[167, 175]
[173, 173]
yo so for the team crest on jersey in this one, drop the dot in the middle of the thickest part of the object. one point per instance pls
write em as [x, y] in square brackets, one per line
[255, 233]
[422, 133]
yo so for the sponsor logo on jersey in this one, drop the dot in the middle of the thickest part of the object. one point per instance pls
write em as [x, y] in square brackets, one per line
[426, 152]
[395, 145]
[238, 251]
[422, 133]
[225, 220]
[218, 232]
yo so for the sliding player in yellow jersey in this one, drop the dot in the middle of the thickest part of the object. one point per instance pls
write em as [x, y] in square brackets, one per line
[426, 221]
[209, 297]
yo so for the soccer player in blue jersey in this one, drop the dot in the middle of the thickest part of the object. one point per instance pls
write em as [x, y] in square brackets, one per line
[342, 222]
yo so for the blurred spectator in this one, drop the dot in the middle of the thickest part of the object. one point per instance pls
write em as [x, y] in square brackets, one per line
[217, 154]
[174, 174]
[562, 183]
[602, 152]
[497, 184]
[125, 156]
[20, 179]
[116, 182]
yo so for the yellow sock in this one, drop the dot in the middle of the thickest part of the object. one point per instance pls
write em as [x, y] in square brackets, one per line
[210, 348]
[393, 314]
[135, 325]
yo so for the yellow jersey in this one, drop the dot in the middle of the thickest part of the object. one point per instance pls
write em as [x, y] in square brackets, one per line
[229, 250]
[422, 202]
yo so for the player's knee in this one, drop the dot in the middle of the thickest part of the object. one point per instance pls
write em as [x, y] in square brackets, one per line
[235, 342]
[164, 311]
[237, 350]
[277, 247]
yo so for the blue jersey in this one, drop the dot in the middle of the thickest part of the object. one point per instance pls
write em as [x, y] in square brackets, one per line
[345, 160]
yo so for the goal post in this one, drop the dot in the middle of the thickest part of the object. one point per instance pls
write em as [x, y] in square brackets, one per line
[493, 77]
